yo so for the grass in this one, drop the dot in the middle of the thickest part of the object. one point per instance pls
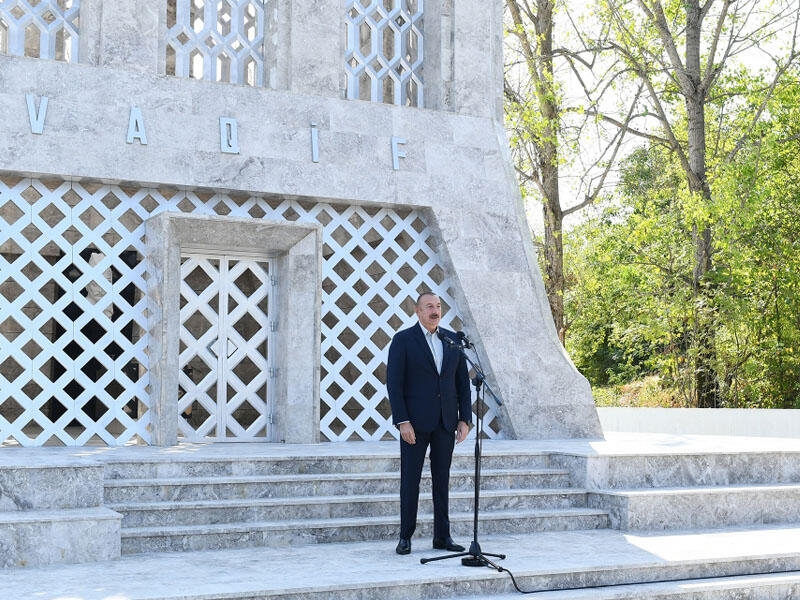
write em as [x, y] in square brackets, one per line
[646, 392]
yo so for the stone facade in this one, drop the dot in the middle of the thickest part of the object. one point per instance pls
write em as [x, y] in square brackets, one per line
[114, 117]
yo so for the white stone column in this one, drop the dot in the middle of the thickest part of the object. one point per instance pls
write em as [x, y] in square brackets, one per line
[316, 48]
[89, 48]
[438, 52]
[477, 82]
[129, 33]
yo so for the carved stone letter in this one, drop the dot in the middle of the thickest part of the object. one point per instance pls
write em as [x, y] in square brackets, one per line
[136, 126]
[397, 153]
[35, 117]
[228, 135]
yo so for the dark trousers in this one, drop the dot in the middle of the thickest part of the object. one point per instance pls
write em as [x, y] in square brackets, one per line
[412, 458]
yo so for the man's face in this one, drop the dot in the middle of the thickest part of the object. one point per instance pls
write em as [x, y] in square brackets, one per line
[429, 311]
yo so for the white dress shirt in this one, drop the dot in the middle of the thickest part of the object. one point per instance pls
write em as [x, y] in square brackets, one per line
[435, 345]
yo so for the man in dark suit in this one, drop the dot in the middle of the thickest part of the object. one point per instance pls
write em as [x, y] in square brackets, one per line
[428, 385]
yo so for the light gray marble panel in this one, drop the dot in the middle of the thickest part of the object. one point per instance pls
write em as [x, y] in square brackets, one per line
[38, 538]
[42, 487]
[700, 508]
[130, 34]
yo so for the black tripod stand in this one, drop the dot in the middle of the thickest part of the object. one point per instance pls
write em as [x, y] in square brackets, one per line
[474, 557]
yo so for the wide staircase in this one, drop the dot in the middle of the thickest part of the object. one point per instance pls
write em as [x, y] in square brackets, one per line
[577, 520]
[695, 490]
[235, 502]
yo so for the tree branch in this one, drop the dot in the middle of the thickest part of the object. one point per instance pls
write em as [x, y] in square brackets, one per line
[713, 72]
[592, 195]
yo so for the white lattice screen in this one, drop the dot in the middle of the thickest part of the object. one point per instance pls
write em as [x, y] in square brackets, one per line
[40, 28]
[72, 312]
[73, 360]
[384, 52]
[216, 40]
[225, 41]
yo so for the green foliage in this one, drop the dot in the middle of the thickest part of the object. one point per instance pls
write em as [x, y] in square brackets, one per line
[627, 307]
[630, 304]
[760, 252]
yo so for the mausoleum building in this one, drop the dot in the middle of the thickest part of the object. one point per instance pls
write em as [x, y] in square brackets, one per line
[214, 215]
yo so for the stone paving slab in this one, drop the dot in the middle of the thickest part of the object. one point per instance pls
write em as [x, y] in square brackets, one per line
[772, 586]
[614, 444]
[373, 570]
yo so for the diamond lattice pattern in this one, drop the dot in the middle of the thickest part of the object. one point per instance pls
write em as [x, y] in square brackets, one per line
[216, 40]
[40, 29]
[383, 57]
[224, 348]
[73, 314]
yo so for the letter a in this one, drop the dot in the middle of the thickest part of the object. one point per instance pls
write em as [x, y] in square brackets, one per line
[35, 117]
[136, 126]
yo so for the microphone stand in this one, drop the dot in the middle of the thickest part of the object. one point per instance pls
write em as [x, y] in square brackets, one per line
[474, 557]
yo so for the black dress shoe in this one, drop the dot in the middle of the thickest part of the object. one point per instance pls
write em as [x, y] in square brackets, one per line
[447, 544]
[403, 546]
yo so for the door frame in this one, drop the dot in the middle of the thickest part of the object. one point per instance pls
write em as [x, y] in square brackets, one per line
[297, 252]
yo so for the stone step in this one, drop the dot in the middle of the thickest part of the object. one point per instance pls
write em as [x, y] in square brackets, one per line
[756, 564]
[61, 483]
[47, 537]
[684, 469]
[769, 586]
[201, 512]
[119, 491]
[242, 464]
[699, 507]
[285, 533]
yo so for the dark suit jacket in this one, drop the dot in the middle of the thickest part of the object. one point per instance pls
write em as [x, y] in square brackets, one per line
[419, 394]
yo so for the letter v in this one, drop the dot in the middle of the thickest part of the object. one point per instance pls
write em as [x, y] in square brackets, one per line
[35, 117]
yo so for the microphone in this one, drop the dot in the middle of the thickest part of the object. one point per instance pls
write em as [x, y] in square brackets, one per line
[448, 340]
[462, 337]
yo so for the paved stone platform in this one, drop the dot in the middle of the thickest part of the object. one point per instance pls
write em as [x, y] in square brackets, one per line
[747, 562]
[544, 561]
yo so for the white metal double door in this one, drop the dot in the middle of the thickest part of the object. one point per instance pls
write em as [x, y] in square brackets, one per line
[224, 390]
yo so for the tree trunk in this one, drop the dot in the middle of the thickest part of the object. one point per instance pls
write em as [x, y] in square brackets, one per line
[554, 255]
[548, 168]
[703, 292]
[537, 50]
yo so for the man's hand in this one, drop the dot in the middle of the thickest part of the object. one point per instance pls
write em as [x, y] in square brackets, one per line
[462, 432]
[407, 433]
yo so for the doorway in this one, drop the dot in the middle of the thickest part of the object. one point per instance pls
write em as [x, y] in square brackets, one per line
[272, 272]
[224, 389]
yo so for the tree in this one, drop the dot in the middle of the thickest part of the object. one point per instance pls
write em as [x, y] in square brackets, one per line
[633, 266]
[758, 254]
[535, 117]
[679, 51]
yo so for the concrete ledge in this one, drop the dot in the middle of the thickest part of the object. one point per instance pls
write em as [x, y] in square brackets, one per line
[40, 538]
[25, 487]
[51, 511]
[371, 570]
[721, 468]
[699, 508]
[783, 423]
